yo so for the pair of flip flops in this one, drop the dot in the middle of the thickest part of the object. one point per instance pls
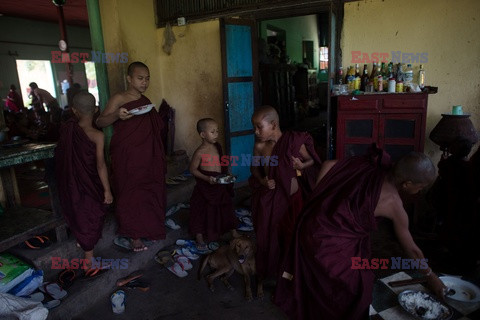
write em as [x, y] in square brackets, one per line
[38, 242]
[176, 263]
[132, 281]
[39, 297]
[54, 290]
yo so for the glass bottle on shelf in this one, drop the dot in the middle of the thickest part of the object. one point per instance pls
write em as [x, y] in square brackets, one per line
[421, 77]
[364, 79]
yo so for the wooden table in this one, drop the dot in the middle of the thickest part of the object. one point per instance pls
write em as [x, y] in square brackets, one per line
[385, 301]
[18, 223]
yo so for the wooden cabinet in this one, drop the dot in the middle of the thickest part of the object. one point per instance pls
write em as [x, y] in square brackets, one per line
[396, 122]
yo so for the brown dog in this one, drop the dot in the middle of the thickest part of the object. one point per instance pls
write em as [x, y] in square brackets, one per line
[238, 256]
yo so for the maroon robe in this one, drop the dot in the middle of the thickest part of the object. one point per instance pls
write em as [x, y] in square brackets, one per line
[138, 168]
[211, 206]
[333, 227]
[270, 208]
[80, 189]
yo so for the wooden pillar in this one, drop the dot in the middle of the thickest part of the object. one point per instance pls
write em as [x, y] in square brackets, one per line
[96, 35]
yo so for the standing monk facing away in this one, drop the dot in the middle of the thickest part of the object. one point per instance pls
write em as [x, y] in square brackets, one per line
[320, 280]
[138, 161]
[276, 190]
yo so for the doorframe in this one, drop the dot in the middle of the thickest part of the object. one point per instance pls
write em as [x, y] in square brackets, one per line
[223, 42]
[288, 11]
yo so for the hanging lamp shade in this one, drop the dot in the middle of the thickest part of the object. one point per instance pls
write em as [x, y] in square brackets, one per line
[451, 128]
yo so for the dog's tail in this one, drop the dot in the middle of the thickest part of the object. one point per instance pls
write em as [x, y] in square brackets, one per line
[202, 267]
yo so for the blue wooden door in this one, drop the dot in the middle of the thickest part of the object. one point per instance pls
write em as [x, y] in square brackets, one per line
[239, 66]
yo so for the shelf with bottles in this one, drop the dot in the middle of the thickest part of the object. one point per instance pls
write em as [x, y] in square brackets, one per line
[383, 78]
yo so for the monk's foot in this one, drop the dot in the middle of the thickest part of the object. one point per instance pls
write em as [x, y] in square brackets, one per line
[138, 245]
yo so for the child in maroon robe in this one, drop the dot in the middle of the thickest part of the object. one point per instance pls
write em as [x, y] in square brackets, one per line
[277, 195]
[138, 161]
[81, 174]
[211, 205]
[320, 281]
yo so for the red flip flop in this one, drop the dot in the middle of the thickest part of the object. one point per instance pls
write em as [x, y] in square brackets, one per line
[38, 242]
[66, 278]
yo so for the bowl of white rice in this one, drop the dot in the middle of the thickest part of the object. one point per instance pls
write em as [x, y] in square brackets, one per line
[424, 306]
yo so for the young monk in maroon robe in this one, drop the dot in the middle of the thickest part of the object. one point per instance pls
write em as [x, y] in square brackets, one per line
[276, 194]
[138, 161]
[81, 174]
[334, 228]
[211, 205]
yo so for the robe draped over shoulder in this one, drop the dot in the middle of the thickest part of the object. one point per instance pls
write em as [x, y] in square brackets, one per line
[270, 208]
[138, 168]
[334, 227]
[80, 189]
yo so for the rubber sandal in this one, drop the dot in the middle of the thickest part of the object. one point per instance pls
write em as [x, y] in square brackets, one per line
[53, 290]
[187, 253]
[164, 258]
[132, 276]
[137, 284]
[38, 242]
[118, 300]
[51, 304]
[93, 273]
[37, 297]
[171, 224]
[213, 246]
[66, 278]
[242, 213]
[123, 242]
[177, 270]
[183, 261]
[188, 243]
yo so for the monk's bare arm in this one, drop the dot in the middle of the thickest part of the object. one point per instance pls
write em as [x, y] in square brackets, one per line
[399, 217]
[195, 164]
[102, 166]
[326, 166]
[307, 159]
[113, 112]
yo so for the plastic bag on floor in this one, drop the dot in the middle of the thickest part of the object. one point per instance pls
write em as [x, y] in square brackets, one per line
[12, 307]
[12, 271]
[30, 284]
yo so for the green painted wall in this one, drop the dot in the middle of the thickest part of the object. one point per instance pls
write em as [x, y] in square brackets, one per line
[297, 29]
[35, 40]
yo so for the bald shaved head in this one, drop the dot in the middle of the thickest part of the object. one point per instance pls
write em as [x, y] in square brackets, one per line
[202, 124]
[84, 102]
[415, 167]
[266, 113]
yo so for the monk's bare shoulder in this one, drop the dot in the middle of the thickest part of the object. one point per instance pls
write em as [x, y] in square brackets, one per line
[389, 204]
[119, 99]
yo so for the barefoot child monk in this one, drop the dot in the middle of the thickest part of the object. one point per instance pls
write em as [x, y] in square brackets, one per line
[81, 174]
[138, 161]
[320, 280]
[276, 191]
[211, 204]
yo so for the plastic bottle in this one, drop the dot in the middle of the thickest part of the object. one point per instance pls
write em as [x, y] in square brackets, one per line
[421, 77]
[408, 75]
[391, 85]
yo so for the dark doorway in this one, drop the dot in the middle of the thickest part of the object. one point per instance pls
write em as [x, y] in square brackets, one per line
[293, 77]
